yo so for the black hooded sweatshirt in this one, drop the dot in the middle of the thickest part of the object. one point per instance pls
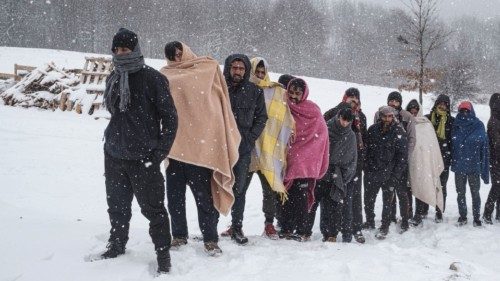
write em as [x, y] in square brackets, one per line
[247, 103]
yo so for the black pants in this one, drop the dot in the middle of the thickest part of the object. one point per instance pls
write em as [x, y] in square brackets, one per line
[240, 190]
[269, 197]
[423, 208]
[494, 194]
[294, 212]
[126, 178]
[371, 190]
[357, 203]
[180, 174]
[404, 186]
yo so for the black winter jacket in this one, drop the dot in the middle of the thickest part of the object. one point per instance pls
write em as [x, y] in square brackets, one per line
[387, 153]
[146, 130]
[248, 105]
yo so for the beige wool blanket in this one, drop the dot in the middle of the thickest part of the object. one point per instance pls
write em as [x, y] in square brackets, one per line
[207, 133]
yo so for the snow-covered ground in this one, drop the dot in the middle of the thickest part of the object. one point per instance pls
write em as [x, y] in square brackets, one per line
[53, 211]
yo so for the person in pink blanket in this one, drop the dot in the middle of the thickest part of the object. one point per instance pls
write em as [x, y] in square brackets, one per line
[307, 160]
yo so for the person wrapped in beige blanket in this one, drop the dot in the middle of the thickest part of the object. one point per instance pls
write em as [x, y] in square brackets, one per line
[206, 146]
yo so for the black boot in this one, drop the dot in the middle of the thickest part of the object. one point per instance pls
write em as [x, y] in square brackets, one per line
[462, 221]
[238, 237]
[163, 259]
[368, 225]
[382, 232]
[115, 249]
[416, 221]
[487, 219]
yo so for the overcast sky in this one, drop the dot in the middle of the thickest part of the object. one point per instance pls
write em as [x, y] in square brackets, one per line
[450, 9]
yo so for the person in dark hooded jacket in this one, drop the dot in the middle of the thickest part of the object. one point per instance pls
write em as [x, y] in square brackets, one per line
[494, 141]
[442, 121]
[386, 163]
[139, 136]
[469, 159]
[249, 109]
[352, 101]
[333, 192]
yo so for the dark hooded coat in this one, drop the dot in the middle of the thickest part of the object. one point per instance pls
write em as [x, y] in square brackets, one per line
[247, 103]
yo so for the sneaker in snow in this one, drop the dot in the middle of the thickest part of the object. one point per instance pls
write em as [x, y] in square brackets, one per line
[416, 220]
[382, 233]
[212, 249]
[487, 219]
[238, 237]
[331, 239]
[477, 223]
[358, 236]
[270, 232]
[177, 242]
[115, 249]
[462, 221]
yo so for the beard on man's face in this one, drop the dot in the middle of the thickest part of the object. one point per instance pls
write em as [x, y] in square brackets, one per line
[237, 78]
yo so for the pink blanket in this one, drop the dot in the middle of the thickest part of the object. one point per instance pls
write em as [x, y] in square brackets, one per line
[308, 154]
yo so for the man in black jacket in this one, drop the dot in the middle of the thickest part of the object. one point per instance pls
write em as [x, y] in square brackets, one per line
[494, 141]
[249, 109]
[386, 162]
[138, 137]
[352, 100]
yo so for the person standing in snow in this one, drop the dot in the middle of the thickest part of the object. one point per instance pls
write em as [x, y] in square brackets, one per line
[138, 137]
[307, 160]
[469, 159]
[249, 109]
[206, 147]
[425, 165]
[386, 163]
[494, 141]
[442, 121]
[353, 207]
[406, 121]
[269, 155]
[332, 191]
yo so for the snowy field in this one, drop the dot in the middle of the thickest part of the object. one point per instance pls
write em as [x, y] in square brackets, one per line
[53, 211]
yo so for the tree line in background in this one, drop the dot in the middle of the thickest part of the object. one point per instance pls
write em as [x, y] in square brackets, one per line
[340, 40]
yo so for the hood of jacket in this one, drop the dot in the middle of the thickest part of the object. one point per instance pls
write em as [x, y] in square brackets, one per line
[227, 68]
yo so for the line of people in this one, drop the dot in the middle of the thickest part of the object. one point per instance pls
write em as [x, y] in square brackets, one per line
[214, 130]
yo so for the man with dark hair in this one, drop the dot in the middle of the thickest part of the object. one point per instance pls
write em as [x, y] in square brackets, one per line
[494, 140]
[249, 109]
[386, 162]
[173, 51]
[354, 201]
[139, 136]
[206, 146]
[332, 191]
[307, 160]
[407, 122]
[284, 79]
[469, 159]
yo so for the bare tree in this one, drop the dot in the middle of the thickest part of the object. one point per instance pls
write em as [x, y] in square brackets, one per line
[459, 80]
[423, 34]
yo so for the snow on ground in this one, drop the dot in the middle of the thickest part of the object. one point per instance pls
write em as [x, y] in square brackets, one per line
[53, 212]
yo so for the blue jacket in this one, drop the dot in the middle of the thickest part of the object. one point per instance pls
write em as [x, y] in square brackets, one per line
[470, 148]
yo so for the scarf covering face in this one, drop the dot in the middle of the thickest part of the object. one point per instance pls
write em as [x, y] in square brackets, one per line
[262, 83]
[308, 155]
[441, 127]
[270, 153]
[207, 134]
[123, 66]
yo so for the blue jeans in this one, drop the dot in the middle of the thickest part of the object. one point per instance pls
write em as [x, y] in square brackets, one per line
[474, 183]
